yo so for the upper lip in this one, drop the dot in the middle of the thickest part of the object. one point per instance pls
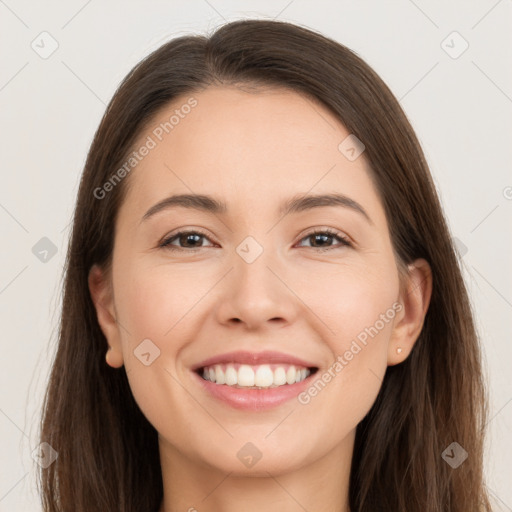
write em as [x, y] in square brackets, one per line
[253, 358]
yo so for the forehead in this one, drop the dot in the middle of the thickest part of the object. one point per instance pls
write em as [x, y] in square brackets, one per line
[269, 143]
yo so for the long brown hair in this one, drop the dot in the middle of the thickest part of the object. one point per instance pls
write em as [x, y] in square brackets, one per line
[108, 451]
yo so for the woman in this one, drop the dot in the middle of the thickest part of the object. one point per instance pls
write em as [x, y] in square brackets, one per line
[263, 308]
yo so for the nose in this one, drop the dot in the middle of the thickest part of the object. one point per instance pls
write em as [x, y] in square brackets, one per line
[258, 294]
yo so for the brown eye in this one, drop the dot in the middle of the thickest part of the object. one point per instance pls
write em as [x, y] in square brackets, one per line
[186, 239]
[322, 238]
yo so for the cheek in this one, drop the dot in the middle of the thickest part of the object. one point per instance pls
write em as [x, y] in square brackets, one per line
[358, 309]
[155, 308]
[156, 302]
[352, 300]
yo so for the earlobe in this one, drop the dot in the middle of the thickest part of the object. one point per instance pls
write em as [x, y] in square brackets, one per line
[102, 297]
[415, 299]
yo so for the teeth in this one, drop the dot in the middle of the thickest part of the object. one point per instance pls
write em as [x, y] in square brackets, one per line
[219, 375]
[245, 376]
[231, 376]
[262, 376]
[290, 375]
[279, 376]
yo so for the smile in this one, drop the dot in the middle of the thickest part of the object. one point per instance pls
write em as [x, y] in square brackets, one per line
[263, 376]
[253, 381]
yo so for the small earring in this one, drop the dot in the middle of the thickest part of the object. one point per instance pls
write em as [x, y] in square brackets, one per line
[399, 350]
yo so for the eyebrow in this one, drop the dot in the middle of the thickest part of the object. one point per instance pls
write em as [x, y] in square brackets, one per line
[296, 204]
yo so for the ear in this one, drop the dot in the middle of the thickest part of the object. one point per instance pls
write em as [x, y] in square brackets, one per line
[415, 298]
[100, 287]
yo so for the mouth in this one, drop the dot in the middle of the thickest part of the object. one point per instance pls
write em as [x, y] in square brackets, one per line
[254, 381]
[263, 376]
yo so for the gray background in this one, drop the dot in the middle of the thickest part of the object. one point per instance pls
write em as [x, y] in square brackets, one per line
[459, 105]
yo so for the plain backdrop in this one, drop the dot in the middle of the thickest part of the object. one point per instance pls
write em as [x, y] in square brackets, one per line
[449, 64]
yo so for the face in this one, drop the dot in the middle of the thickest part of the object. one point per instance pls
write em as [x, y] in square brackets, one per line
[262, 289]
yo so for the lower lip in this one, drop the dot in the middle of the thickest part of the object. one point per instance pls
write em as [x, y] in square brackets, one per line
[254, 399]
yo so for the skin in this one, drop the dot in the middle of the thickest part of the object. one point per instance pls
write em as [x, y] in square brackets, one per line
[254, 150]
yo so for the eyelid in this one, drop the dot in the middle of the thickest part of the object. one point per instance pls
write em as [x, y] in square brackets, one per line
[322, 229]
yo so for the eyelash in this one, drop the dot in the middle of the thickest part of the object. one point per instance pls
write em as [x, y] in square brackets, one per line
[344, 242]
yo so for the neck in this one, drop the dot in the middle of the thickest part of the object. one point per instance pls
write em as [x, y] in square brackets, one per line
[193, 486]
